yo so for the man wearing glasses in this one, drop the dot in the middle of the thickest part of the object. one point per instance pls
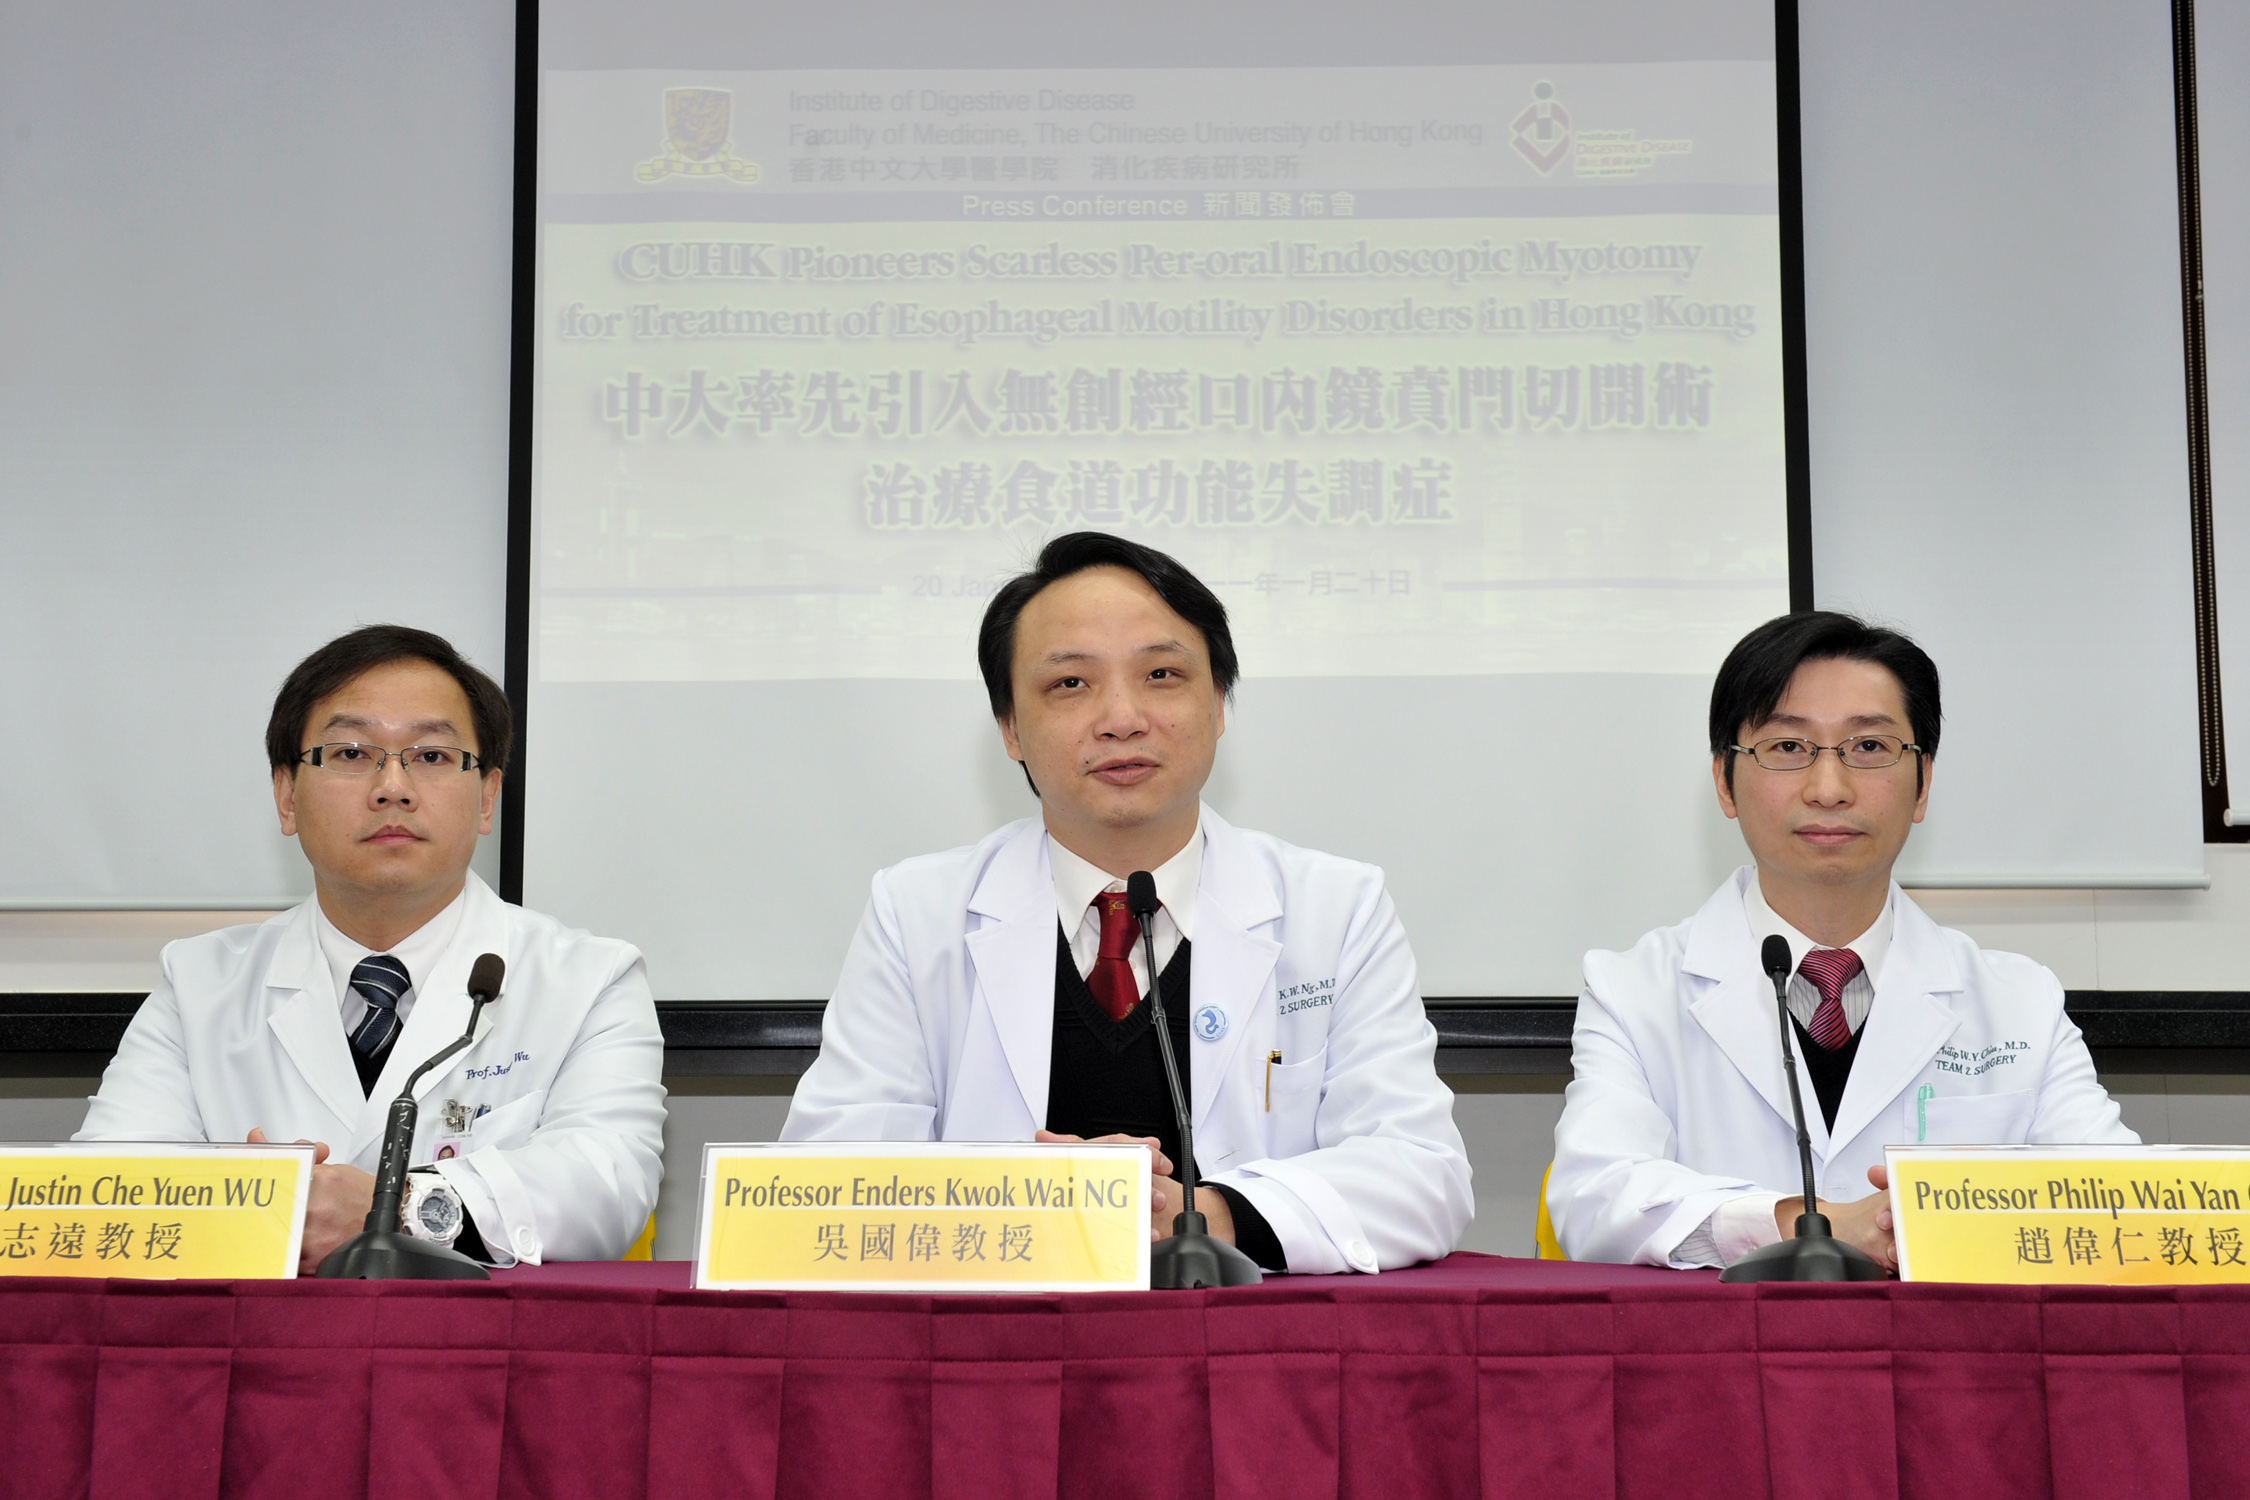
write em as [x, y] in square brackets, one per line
[542, 1141]
[1677, 1144]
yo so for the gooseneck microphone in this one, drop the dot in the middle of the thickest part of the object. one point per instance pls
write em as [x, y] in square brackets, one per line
[1815, 1254]
[383, 1251]
[1778, 964]
[1192, 1257]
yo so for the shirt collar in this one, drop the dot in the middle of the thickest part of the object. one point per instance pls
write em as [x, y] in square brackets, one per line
[419, 951]
[1078, 882]
[1872, 946]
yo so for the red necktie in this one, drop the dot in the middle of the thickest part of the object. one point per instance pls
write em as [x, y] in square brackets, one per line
[1111, 978]
[1830, 969]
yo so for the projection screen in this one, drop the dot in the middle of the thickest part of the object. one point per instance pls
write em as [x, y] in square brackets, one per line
[1444, 342]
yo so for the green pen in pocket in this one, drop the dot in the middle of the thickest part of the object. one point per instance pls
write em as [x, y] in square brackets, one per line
[1922, 1098]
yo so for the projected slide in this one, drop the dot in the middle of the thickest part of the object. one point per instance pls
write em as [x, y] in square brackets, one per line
[1436, 370]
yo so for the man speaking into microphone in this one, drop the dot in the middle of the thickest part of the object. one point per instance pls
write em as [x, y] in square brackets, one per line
[1677, 1144]
[542, 1140]
[996, 992]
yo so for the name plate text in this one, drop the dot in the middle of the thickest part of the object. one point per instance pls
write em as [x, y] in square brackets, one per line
[2097, 1215]
[157, 1211]
[924, 1217]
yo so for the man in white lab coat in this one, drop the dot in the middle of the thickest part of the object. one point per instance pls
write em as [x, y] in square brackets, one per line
[543, 1140]
[1676, 1144]
[996, 993]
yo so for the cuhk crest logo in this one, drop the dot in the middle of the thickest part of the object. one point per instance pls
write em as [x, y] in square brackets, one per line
[698, 138]
[1541, 134]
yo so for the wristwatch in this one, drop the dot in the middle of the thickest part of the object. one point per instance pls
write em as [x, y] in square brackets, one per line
[432, 1209]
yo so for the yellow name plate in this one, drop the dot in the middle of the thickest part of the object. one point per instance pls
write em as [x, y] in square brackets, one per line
[2099, 1215]
[99, 1208]
[924, 1217]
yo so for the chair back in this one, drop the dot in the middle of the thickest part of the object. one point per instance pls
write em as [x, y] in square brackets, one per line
[1543, 1233]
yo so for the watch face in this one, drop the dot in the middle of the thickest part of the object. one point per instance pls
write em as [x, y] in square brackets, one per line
[439, 1215]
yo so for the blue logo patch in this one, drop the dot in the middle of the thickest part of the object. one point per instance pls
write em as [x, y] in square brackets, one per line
[1210, 1023]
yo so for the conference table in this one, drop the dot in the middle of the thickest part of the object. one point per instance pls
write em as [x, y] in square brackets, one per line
[1475, 1376]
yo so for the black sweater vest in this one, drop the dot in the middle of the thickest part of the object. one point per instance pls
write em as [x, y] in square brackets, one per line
[1830, 1071]
[1106, 1077]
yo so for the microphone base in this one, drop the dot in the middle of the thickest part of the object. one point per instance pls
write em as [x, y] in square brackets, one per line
[380, 1255]
[1193, 1258]
[1812, 1256]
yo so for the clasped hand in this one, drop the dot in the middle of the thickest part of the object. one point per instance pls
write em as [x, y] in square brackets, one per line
[1863, 1222]
[342, 1196]
[1164, 1198]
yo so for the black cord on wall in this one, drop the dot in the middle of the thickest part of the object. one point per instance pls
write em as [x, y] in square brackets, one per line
[2211, 711]
[522, 356]
[1796, 401]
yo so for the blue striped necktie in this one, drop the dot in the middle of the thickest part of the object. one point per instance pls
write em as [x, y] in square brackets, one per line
[380, 980]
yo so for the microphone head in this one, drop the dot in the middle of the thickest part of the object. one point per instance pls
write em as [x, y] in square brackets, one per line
[1140, 894]
[485, 976]
[1775, 957]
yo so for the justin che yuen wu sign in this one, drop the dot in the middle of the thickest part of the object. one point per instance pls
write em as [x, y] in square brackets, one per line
[2151, 1215]
[935, 1217]
[154, 1211]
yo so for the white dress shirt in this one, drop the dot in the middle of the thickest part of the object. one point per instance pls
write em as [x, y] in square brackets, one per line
[1741, 1225]
[1804, 996]
[1078, 882]
[418, 951]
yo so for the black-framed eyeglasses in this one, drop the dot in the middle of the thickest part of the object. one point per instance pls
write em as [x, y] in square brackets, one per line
[348, 758]
[1862, 752]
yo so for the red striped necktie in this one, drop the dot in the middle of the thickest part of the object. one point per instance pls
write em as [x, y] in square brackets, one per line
[1111, 978]
[1830, 969]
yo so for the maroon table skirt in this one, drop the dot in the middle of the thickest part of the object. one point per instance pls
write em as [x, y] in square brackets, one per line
[1476, 1376]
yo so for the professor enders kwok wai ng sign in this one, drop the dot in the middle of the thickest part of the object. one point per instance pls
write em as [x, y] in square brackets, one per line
[2099, 1215]
[932, 1217]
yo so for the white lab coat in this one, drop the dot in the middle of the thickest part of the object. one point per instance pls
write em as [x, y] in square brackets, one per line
[245, 1031]
[1677, 1100]
[942, 1026]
